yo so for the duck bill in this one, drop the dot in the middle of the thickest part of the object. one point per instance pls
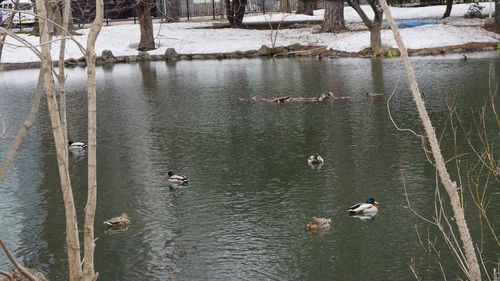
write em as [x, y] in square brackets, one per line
[377, 203]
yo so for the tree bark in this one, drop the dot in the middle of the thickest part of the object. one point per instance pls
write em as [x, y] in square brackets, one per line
[334, 17]
[89, 273]
[375, 34]
[235, 11]
[305, 7]
[449, 5]
[285, 6]
[239, 11]
[173, 10]
[143, 9]
[72, 242]
[62, 77]
[373, 26]
[229, 12]
[474, 270]
[497, 12]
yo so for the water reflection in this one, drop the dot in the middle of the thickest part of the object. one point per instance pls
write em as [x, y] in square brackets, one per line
[251, 191]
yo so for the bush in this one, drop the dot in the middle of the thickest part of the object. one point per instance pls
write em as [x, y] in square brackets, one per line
[474, 11]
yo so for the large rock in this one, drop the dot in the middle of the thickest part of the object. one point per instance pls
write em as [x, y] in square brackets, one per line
[131, 59]
[144, 56]
[107, 56]
[171, 54]
[294, 47]
[71, 62]
[264, 51]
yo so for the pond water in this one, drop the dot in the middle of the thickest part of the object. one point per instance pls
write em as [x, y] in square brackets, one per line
[251, 192]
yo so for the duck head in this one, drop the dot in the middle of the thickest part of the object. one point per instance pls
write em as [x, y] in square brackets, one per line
[170, 173]
[371, 200]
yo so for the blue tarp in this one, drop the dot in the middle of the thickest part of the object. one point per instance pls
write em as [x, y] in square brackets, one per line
[412, 23]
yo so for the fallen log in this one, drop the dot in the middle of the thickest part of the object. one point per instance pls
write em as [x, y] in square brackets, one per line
[288, 99]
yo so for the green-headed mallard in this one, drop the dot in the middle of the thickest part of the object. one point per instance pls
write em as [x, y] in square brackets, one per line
[315, 159]
[177, 179]
[362, 208]
[76, 146]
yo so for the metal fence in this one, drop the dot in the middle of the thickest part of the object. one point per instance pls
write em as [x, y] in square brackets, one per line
[215, 8]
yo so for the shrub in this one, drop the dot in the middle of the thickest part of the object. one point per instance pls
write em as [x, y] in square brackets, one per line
[474, 11]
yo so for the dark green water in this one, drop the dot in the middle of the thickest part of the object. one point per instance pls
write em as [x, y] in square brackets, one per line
[251, 192]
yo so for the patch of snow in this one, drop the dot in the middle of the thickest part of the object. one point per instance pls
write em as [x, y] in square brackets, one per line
[198, 37]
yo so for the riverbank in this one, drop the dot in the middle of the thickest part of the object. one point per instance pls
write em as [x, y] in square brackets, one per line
[204, 40]
[294, 50]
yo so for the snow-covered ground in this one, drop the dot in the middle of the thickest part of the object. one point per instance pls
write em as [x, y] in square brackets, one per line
[189, 38]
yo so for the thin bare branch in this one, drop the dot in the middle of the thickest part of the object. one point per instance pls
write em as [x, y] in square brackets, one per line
[66, 31]
[409, 204]
[23, 131]
[15, 263]
[3, 125]
[390, 115]
[449, 185]
[8, 275]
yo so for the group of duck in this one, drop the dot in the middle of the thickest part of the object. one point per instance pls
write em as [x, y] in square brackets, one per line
[366, 209]
[123, 220]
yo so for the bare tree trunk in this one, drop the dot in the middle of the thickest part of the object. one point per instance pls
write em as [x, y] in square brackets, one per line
[173, 10]
[334, 17]
[497, 12]
[89, 273]
[449, 5]
[305, 7]
[285, 6]
[143, 9]
[62, 77]
[374, 26]
[229, 12]
[23, 131]
[239, 11]
[376, 37]
[450, 187]
[235, 11]
[72, 242]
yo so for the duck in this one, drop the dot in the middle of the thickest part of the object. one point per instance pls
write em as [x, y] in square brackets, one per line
[76, 146]
[118, 222]
[315, 159]
[177, 179]
[363, 208]
[319, 223]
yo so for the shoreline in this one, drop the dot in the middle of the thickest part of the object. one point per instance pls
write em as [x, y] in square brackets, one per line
[293, 50]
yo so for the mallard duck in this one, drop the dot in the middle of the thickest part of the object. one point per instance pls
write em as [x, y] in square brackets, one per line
[362, 208]
[365, 216]
[76, 146]
[177, 179]
[117, 222]
[315, 159]
[318, 223]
